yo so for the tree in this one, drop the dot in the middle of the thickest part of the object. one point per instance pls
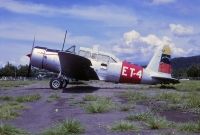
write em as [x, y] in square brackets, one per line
[22, 70]
[9, 70]
[194, 71]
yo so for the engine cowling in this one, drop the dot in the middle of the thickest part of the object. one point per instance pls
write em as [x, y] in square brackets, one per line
[44, 58]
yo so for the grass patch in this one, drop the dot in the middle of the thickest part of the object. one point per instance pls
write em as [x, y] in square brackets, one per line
[68, 127]
[152, 121]
[9, 110]
[188, 100]
[191, 85]
[13, 84]
[133, 96]
[99, 106]
[53, 97]
[170, 97]
[189, 127]
[6, 98]
[125, 107]
[28, 98]
[90, 98]
[157, 122]
[140, 117]
[10, 130]
[192, 100]
[123, 126]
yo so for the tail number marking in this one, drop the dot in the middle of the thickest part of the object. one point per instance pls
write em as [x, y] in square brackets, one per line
[131, 73]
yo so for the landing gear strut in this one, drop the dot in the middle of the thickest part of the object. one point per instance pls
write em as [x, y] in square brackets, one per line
[58, 83]
[64, 83]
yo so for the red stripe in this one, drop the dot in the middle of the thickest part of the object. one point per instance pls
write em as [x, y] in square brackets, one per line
[165, 68]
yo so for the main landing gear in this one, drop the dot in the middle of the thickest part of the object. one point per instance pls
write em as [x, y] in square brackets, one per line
[58, 83]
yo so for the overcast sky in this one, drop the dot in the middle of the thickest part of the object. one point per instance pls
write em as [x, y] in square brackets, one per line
[130, 29]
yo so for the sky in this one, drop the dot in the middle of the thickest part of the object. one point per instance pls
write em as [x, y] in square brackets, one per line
[129, 29]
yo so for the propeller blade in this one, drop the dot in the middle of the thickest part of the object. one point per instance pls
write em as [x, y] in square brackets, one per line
[33, 45]
[29, 55]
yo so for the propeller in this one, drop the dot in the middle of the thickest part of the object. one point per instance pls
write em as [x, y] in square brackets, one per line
[29, 55]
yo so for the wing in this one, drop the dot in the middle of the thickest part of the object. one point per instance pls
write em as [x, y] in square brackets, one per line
[75, 66]
[166, 80]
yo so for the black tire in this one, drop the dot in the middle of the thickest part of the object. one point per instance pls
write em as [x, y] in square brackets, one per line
[55, 83]
[64, 83]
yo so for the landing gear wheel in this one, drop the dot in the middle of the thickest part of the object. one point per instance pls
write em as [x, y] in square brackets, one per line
[55, 83]
[64, 83]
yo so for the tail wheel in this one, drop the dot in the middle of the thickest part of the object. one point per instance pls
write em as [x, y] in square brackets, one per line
[55, 83]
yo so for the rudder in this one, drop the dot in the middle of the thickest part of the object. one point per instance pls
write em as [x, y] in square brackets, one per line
[165, 61]
[161, 61]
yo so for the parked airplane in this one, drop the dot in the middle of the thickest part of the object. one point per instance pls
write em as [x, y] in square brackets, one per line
[92, 64]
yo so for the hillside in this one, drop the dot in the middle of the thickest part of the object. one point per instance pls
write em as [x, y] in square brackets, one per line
[185, 62]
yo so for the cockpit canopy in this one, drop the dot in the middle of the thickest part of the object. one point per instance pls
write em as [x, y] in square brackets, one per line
[97, 55]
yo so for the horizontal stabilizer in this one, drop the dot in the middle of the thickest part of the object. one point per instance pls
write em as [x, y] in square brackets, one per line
[166, 80]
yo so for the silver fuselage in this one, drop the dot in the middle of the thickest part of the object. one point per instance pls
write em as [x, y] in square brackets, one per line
[112, 71]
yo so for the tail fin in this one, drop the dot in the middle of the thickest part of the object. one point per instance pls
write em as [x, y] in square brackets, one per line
[161, 60]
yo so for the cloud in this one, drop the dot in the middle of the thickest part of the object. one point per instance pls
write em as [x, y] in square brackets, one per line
[180, 30]
[133, 37]
[135, 47]
[2, 64]
[111, 15]
[194, 47]
[159, 2]
[24, 60]
[48, 34]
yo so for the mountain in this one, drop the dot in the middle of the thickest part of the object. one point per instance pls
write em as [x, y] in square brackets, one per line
[185, 62]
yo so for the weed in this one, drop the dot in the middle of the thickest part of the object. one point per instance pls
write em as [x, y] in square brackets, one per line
[28, 98]
[191, 85]
[12, 84]
[192, 100]
[67, 127]
[8, 110]
[188, 86]
[133, 96]
[99, 106]
[90, 98]
[140, 117]
[54, 96]
[125, 107]
[10, 130]
[6, 98]
[153, 122]
[189, 127]
[170, 97]
[124, 126]
[157, 123]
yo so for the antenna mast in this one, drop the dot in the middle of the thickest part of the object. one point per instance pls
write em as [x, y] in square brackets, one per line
[64, 40]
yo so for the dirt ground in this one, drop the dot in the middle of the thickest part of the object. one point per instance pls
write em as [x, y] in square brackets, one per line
[43, 113]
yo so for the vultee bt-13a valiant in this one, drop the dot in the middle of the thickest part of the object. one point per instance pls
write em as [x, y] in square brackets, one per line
[92, 64]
